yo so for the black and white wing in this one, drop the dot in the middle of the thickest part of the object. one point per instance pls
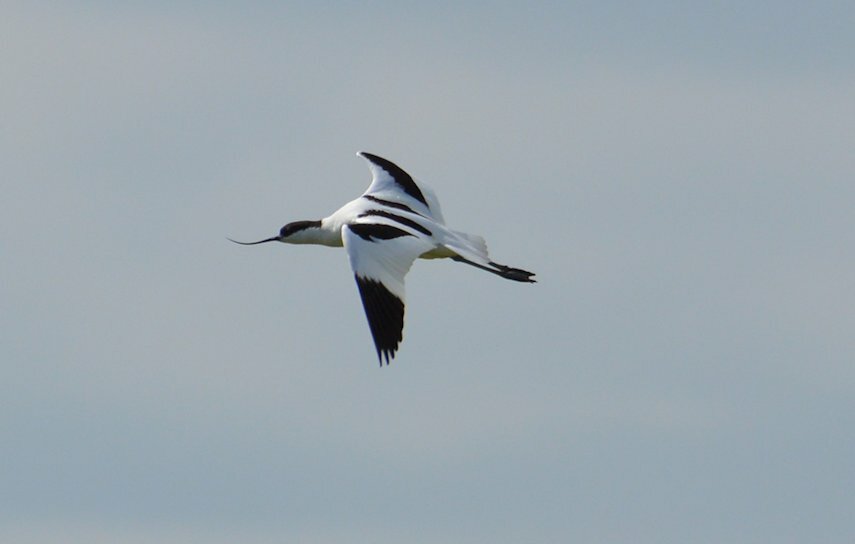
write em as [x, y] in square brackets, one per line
[392, 184]
[380, 255]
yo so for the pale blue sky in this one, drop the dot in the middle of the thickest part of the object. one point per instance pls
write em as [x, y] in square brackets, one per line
[679, 175]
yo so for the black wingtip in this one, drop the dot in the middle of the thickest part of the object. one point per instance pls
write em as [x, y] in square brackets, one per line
[387, 354]
[385, 314]
[381, 353]
[401, 177]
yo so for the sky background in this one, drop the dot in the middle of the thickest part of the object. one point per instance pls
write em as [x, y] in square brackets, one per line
[678, 174]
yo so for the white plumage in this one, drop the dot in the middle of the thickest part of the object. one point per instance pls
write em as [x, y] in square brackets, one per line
[396, 221]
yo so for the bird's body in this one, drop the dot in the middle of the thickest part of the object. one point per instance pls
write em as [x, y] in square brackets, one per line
[395, 221]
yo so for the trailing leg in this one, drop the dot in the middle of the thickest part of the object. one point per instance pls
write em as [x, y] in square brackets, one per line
[507, 272]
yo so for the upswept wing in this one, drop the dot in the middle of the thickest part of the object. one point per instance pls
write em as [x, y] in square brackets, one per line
[380, 255]
[391, 182]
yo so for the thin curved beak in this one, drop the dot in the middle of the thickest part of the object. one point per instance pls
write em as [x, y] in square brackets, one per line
[274, 239]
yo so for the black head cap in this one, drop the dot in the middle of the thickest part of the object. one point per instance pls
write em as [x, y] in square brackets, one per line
[297, 226]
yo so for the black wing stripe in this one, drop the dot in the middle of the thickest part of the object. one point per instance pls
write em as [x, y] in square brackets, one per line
[395, 217]
[391, 204]
[403, 179]
[385, 313]
[373, 231]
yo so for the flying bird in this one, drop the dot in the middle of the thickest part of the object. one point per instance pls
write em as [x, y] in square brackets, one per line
[394, 222]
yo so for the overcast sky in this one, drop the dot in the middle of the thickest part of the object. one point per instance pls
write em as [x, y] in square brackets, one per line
[679, 175]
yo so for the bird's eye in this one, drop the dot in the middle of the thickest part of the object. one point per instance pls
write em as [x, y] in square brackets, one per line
[283, 231]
